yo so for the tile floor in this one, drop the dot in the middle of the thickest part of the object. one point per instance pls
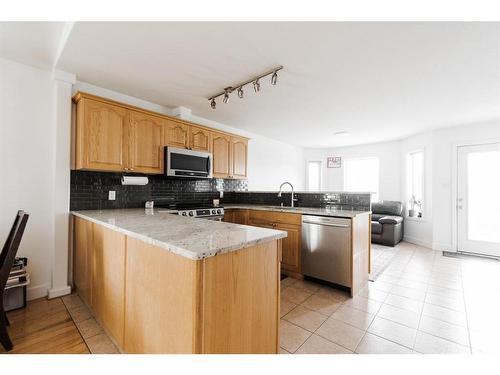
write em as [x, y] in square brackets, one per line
[423, 302]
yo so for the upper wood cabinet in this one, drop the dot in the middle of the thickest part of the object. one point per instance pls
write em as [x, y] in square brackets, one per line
[176, 134]
[117, 137]
[101, 136]
[146, 143]
[199, 139]
[239, 157]
[221, 151]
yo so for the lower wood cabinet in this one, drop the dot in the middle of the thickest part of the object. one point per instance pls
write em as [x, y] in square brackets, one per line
[151, 300]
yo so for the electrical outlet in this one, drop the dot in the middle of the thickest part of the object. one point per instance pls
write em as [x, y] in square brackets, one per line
[112, 195]
[221, 194]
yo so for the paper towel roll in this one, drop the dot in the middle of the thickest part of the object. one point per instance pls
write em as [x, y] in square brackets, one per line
[134, 180]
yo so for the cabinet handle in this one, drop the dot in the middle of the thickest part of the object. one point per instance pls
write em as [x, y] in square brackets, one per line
[131, 169]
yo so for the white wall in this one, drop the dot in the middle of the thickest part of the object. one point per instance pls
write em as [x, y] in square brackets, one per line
[270, 162]
[27, 164]
[389, 156]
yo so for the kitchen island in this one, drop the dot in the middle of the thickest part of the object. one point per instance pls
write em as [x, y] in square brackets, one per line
[161, 283]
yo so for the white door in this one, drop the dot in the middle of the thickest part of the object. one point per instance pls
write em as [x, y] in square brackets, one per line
[478, 199]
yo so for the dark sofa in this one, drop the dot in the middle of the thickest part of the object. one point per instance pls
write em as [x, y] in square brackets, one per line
[387, 222]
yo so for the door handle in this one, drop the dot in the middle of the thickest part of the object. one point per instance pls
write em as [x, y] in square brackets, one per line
[327, 224]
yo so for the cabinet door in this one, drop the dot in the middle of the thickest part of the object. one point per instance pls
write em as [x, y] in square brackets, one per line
[229, 216]
[239, 157]
[240, 217]
[199, 139]
[176, 134]
[102, 136]
[221, 153]
[108, 280]
[290, 247]
[146, 143]
[82, 258]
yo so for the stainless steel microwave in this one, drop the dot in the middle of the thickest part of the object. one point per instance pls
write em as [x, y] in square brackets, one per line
[181, 162]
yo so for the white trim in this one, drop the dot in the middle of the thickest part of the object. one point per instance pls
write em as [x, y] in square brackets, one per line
[60, 75]
[442, 247]
[35, 292]
[182, 113]
[417, 241]
[54, 293]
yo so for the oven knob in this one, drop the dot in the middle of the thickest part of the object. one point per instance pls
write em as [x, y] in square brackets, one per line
[184, 214]
[213, 212]
[191, 213]
[219, 212]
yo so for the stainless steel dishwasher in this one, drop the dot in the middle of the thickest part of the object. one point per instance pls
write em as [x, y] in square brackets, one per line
[326, 249]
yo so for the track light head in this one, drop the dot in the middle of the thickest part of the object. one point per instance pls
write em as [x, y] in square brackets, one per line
[274, 78]
[240, 92]
[212, 103]
[256, 85]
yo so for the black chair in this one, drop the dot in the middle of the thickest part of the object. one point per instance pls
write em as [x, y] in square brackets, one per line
[7, 258]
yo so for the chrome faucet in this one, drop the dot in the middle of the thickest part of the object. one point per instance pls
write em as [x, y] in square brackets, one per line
[281, 190]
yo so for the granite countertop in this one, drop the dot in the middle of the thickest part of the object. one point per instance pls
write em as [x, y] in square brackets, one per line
[321, 211]
[189, 237]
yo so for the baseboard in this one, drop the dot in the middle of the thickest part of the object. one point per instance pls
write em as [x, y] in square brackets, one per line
[442, 247]
[54, 293]
[35, 292]
[417, 241]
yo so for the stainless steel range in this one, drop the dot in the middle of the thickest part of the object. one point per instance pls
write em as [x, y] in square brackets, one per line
[210, 213]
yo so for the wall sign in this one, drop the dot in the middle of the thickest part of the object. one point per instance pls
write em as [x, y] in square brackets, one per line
[334, 162]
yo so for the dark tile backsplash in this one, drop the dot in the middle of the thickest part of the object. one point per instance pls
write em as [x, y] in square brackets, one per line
[89, 191]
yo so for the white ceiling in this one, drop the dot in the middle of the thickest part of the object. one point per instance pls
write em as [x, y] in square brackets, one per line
[379, 81]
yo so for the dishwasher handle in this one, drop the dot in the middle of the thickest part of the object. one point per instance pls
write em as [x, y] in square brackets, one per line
[326, 223]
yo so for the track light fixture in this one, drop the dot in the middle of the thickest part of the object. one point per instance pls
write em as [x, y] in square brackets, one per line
[274, 79]
[255, 81]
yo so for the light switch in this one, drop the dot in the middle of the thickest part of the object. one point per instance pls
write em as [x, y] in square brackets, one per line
[112, 195]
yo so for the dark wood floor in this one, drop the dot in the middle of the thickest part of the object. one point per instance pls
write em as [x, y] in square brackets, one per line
[44, 326]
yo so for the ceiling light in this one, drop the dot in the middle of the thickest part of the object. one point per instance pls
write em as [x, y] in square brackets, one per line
[240, 92]
[274, 78]
[226, 97]
[342, 133]
[212, 103]
[256, 85]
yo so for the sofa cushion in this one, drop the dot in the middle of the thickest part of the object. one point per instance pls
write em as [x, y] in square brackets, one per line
[376, 227]
[390, 220]
[387, 207]
[377, 217]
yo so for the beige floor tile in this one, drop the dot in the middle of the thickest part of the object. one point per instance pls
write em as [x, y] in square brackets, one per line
[392, 331]
[364, 304]
[380, 285]
[358, 318]
[101, 344]
[283, 351]
[447, 315]
[456, 304]
[295, 295]
[307, 286]
[376, 295]
[333, 294]
[485, 341]
[371, 344]
[80, 314]
[288, 281]
[451, 332]
[404, 303]
[341, 333]
[326, 306]
[401, 316]
[89, 328]
[305, 318]
[429, 344]
[286, 307]
[413, 284]
[318, 345]
[291, 336]
[403, 291]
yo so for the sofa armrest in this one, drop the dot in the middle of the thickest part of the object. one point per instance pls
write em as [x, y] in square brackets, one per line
[390, 220]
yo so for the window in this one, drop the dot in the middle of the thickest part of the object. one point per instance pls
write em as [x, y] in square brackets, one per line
[314, 176]
[415, 183]
[361, 175]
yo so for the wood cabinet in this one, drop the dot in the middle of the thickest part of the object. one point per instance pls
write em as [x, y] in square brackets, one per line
[176, 134]
[236, 216]
[146, 143]
[82, 258]
[116, 137]
[221, 151]
[199, 139]
[102, 136]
